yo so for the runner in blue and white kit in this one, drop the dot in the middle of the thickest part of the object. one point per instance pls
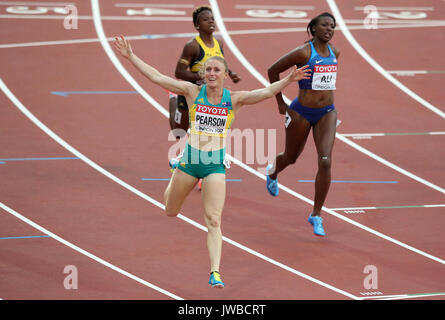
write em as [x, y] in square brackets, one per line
[312, 109]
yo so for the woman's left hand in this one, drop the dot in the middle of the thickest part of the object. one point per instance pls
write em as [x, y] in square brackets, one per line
[123, 46]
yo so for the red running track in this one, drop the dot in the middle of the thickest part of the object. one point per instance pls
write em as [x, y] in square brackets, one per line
[128, 138]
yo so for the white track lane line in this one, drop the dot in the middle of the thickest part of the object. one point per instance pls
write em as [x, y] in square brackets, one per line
[425, 22]
[232, 32]
[86, 253]
[374, 64]
[413, 296]
[260, 78]
[389, 164]
[34, 3]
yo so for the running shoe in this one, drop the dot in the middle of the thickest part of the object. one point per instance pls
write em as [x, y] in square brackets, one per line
[317, 222]
[215, 280]
[271, 185]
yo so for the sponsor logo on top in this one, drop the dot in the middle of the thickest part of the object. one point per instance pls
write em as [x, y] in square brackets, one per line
[326, 68]
[219, 111]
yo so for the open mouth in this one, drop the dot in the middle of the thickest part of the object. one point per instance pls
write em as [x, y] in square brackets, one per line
[327, 36]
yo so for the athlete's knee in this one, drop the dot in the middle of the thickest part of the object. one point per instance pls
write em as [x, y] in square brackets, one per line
[170, 211]
[290, 158]
[324, 162]
[213, 220]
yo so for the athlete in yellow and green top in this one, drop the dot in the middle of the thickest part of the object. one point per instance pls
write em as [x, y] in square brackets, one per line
[213, 109]
[213, 121]
[195, 52]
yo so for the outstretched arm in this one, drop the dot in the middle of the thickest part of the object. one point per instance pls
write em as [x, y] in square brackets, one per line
[251, 97]
[123, 46]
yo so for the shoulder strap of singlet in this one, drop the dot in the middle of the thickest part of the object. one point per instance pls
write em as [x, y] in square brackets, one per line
[226, 98]
[202, 94]
[203, 45]
[330, 50]
[200, 42]
[313, 51]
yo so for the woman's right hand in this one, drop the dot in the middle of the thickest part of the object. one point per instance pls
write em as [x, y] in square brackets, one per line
[123, 46]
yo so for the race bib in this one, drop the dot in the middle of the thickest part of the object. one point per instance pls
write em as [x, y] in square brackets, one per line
[178, 116]
[287, 120]
[210, 120]
[226, 163]
[324, 77]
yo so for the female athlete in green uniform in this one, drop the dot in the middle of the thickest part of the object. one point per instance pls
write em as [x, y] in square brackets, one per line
[195, 53]
[211, 114]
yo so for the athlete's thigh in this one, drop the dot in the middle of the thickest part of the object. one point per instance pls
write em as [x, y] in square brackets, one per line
[179, 117]
[324, 133]
[179, 188]
[297, 131]
[172, 105]
[183, 110]
[214, 193]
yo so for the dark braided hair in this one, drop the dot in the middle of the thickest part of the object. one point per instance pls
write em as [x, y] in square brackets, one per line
[314, 21]
[198, 11]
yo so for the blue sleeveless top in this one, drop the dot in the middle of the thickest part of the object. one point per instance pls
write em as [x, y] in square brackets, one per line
[324, 71]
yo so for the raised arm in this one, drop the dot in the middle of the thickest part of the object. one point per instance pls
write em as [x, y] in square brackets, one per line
[123, 46]
[242, 98]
